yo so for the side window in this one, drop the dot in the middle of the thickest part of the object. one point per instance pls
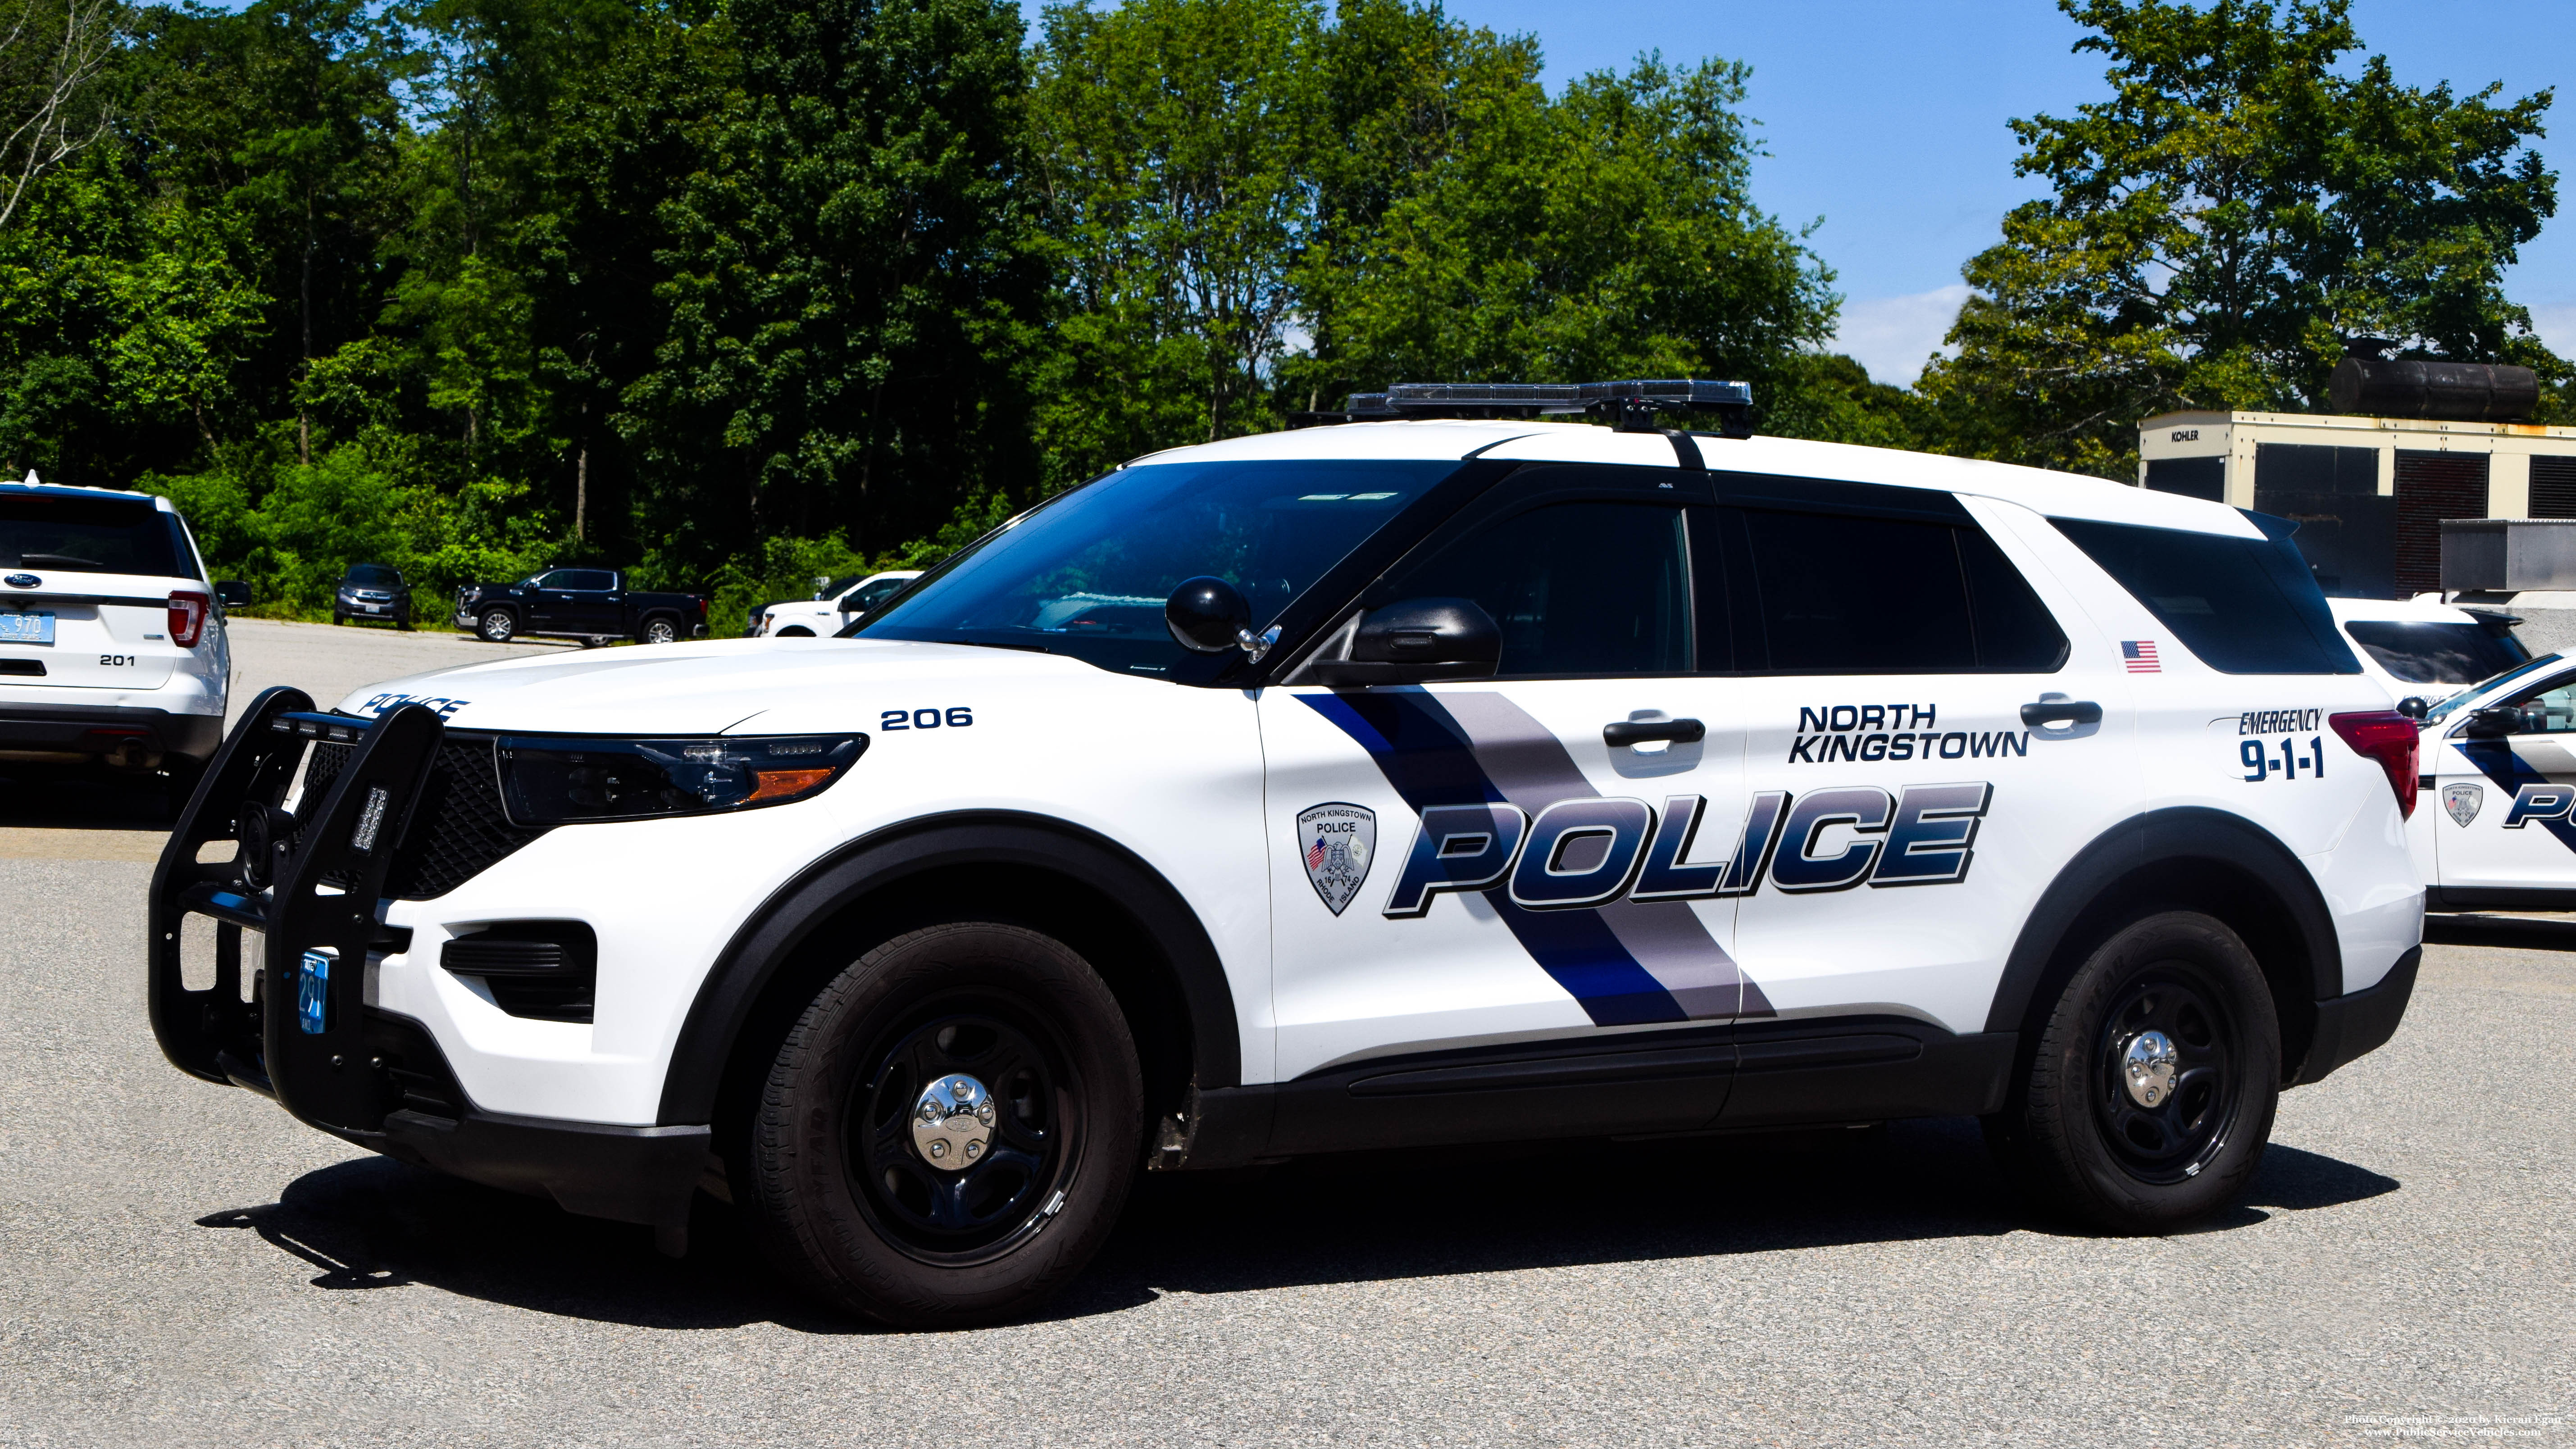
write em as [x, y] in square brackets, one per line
[554, 579]
[2550, 711]
[1852, 594]
[1577, 588]
[2244, 605]
[592, 581]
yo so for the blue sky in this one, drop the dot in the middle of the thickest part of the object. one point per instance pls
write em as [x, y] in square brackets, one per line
[1886, 119]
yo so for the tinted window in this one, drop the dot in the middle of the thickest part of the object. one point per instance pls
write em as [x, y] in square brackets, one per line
[594, 581]
[1086, 574]
[874, 594]
[2244, 605]
[2432, 653]
[2550, 711]
[1846, 594]
[85, 535]
[1578, 588]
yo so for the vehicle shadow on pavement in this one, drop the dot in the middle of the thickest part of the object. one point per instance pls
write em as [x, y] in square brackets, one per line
[373, 1223]
[64, 797]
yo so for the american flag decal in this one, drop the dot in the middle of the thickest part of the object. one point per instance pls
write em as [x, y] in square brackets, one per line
[2140, 655]
[1315, 857]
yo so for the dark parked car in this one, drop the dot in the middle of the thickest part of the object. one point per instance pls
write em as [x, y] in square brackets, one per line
[592, 605]
[372, 591]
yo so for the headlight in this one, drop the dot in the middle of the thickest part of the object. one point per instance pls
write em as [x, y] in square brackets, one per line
[564, 780]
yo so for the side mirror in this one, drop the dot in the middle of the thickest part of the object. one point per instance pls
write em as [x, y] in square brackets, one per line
[2414, 707]
[2493, 723]
[1419, 640]
[234, 593]
[1207, 616]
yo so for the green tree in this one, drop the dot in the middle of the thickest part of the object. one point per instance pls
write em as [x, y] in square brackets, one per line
[2221, 224]
[848, 281]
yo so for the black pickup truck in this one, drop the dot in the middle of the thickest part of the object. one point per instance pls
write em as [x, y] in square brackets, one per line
[591, 605]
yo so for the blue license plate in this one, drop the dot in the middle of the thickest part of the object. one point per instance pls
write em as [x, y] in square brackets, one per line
[27, 628]
[313, 994]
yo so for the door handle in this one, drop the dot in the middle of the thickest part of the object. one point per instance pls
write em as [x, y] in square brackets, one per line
[2061, 711]
[1633, 731]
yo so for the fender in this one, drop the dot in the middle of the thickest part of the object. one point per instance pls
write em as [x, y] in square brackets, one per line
[2182, 834]
[769, 939]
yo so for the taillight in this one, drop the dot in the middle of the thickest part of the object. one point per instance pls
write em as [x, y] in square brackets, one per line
[188, 617]
[2390, 738]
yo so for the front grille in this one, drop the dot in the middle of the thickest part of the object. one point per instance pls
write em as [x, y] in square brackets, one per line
[458, 830]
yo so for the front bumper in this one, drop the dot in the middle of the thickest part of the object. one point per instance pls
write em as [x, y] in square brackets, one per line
[311, 886]
[2355, 1024]
[71, 732]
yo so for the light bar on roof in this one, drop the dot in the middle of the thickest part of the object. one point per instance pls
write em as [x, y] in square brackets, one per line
[1630, 405]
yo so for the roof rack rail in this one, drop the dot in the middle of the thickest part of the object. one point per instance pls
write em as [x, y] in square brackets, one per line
[1630, 405]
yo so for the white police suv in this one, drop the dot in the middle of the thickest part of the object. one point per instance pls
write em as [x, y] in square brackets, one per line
[112, 647]
[1413, 779]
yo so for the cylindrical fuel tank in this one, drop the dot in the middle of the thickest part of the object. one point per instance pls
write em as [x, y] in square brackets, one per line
[2476, 392]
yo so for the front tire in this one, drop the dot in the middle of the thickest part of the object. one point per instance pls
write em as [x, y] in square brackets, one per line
[2150, 1097]
[497, 625]
[338, 618]
[1038, 1099]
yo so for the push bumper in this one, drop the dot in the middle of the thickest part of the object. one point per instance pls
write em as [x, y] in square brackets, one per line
[2353, 1025]
[73, 732]
[310, 884]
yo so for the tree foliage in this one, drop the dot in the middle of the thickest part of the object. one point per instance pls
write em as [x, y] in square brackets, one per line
[2239, 206]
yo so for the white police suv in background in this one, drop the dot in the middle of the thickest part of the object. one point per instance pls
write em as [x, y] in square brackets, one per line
[2500, 761]
[1375, 785]
[2423, 648]
[112, 647]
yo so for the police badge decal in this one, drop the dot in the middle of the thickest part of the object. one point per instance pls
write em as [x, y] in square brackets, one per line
[1337, 842]
[2462, 800]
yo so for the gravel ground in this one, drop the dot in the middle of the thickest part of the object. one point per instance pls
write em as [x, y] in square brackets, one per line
[181, 1264]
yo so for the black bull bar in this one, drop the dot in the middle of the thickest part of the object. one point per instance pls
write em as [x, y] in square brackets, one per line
[311, 883]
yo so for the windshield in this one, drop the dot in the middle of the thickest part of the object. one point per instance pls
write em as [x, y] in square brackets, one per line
[833, 588]
[371, 574]
[2424, 652]
[85, 535]
[1087, 573]
[2454, 701]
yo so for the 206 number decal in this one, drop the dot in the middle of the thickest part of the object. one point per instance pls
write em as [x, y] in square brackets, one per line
[955, 717]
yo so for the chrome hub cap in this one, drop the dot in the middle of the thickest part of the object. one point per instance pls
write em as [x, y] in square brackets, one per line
[2148, 1068]
[952, 1123]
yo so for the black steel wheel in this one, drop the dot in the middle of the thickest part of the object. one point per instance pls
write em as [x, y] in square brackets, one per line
[1025, 1099]
[2148, 1099]
[948, 1131]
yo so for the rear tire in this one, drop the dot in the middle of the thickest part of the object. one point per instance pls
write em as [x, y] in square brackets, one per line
[846, 1199]
[658, 630]
[497, 625]
[2150, 1096]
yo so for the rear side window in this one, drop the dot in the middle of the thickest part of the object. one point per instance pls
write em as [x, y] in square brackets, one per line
[2426, 652]
[85, 536]
[2243, 605]
[1847, 594]
[591, 581]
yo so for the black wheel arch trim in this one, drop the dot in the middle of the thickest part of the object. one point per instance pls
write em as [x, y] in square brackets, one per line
[732, 989]
[2178, 835]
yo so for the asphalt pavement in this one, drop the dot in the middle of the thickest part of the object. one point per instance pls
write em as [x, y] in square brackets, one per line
[181, 1264]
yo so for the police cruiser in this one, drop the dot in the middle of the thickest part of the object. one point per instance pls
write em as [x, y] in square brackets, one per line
[1437, 773]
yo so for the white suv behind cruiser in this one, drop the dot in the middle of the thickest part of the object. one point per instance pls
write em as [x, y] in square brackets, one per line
[112, 647]
[1476, 779]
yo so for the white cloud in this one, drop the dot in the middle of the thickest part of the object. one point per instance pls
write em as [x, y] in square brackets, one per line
[1894, 336]
[2557, 327]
